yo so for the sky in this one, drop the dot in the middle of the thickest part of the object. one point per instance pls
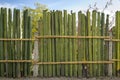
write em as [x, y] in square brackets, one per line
[74, 5]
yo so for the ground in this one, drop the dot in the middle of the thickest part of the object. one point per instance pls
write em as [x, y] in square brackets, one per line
[63, 78]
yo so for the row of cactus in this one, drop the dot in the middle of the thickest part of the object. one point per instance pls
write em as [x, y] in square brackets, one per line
[26, 45]
[56, 23]
[13, 26]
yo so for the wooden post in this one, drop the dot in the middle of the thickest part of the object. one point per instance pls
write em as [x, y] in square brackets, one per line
[35, 57]
[110, 55]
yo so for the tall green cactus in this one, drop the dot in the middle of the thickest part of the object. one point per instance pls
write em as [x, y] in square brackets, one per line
[118, 37]
[5, 36]
[116, 44]
[83, 42]
[98, 43]
[102, 42]
[49, 44]
[25, 49]
[41, 48]
[17, 43]
[53, 40]
[29, 48]
[70, 43]
[57, 30]
[94, 42]
[45, 42]
[66, 42]
[1, 44]
[74, 44]
[79, 43]
[61, 27]
[13, 43]
[90, 43]
[10, 42]
[106, 46]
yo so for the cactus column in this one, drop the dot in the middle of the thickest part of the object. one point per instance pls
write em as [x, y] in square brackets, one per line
[2, 68]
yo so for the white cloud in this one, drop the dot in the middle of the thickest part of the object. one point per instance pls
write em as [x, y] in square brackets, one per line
[7, 5]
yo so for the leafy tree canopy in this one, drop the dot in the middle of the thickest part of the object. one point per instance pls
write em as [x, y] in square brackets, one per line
[36, 14]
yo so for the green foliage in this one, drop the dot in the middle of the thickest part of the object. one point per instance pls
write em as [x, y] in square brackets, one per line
[36, 14]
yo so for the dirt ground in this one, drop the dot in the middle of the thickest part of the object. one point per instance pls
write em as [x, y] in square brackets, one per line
[63, 78]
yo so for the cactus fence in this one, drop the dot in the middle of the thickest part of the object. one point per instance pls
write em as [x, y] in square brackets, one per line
[80, 51]
[12, 47]
[66, 47]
